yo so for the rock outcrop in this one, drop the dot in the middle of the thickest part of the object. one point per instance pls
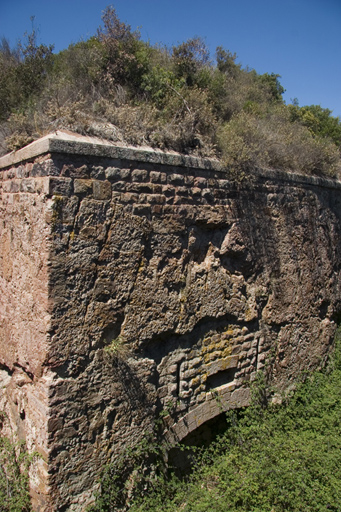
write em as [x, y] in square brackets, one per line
[131, 279]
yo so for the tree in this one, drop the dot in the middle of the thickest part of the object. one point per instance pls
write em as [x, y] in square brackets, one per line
[9, 61]
[271, 81]
[226, 62]
[122, 48]
[23, 71]
[321, 122]
[190, 57]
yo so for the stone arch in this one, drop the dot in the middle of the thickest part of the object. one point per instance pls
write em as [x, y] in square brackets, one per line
[220, 400]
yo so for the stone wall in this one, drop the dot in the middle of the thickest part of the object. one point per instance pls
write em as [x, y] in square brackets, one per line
[193, 281]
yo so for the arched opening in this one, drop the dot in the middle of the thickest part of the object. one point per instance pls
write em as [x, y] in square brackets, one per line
[180, 459]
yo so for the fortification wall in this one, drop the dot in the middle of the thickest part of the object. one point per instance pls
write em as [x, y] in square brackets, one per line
[194, 281]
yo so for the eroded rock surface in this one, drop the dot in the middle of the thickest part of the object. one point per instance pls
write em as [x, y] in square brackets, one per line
[194, 282]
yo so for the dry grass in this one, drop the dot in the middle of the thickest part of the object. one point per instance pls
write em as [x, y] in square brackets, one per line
[116, 86]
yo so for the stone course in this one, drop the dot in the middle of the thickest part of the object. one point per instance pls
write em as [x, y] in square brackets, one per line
[202, 280]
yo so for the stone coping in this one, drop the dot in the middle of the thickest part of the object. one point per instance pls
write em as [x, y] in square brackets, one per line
[64, 142]
[75, 144]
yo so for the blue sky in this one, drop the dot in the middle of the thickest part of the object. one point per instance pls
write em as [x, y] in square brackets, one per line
[297, 39]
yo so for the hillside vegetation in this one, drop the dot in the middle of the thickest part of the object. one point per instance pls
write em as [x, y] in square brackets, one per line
[272, 458]
[116, 86]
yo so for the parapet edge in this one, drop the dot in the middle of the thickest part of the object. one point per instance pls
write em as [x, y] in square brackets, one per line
[65, 142]
[75, 144]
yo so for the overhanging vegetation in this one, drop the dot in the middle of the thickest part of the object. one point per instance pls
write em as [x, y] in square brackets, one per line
[122, 88]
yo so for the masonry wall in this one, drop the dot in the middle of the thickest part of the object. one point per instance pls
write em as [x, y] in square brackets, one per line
[195, 282]
[24, 314]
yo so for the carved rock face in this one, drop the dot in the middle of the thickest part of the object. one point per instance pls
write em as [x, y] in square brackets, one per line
[129, 286]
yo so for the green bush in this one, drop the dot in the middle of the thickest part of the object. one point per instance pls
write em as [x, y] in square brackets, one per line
[23, 72]
[78, 69]
[189, 58]
[14, 467]
[126, 56]
[279, 458]
[257, 138]
[117, 86]
[319, 121]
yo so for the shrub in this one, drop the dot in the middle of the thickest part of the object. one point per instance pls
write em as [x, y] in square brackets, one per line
[23, 72]
[9, 61]
[272, 140]
[116, 85]
[280, 458]
[14, 467]
[78, 69]
[189, 58]
[318, 120]
[126, 55]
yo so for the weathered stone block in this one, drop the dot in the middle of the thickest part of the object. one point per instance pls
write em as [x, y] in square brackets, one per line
[113, 173]
[11, 186]
[176, 179]
[200, 182]
[101, 190]
[155, 177]
[196, 192]
[168, 190]
[140, 188]
[139, 175]
[60, 186]
[119, 185]
[97, 173]
[82, 186]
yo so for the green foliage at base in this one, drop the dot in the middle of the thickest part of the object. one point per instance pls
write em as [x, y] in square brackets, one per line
[139, 471]
[272, 458]
[14, 466]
